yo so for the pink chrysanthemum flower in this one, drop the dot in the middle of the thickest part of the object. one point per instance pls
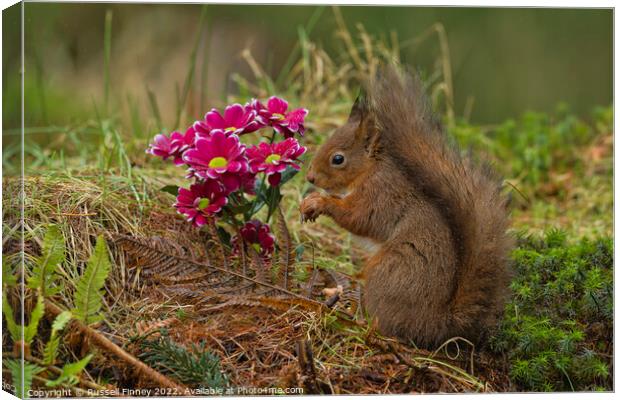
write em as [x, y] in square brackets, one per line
[276, 114]
[201, 201]
[237, 119]
[257, 235]
[216, 155]
[173, 146]
[272, 159]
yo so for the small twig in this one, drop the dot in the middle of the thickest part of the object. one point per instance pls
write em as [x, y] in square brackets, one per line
[332, 300]
[75, 214]
[306, 367]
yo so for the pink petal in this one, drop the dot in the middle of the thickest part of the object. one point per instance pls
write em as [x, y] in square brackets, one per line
[215, 120]
[200, 220]
[201, 128]
[277, 105]
[234, 114]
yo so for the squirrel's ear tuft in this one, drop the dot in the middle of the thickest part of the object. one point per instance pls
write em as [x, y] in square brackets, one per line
[360, 107]
[367, 130]
[362, 115]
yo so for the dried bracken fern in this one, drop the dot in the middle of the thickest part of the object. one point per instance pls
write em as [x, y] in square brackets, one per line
[163, 263]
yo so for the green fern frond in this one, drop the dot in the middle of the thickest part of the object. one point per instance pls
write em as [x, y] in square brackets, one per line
[53, 254]
[50, 352]
[15, 330]
[89, 290]
[37, 313]
[22, 383]
[61, 321]
[8, 279]
[51, 348]
[70, 372]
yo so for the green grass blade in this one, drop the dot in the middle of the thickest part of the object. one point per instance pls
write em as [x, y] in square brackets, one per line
[107, 49]
[154, 109]
[292, 57]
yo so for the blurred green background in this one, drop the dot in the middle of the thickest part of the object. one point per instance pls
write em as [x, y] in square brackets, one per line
[504, 61]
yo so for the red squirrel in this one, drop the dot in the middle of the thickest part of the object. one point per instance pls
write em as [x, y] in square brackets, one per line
[390, 174]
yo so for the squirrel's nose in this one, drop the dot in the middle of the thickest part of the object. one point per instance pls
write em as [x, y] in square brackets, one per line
[310, 177]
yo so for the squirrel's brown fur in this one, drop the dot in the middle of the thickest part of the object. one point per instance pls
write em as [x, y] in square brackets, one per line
[440, 219]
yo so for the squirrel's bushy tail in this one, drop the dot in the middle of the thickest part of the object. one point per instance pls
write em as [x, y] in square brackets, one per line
[466, 192]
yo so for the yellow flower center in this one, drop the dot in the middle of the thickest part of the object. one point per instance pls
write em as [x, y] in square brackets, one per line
[218, 162]
[230, 129]
[203, 203]
[278, 116]
[272, 158]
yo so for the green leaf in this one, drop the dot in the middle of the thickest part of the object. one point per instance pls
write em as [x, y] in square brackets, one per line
[288, 174]
[50, 352]
[15, 330]
[172, 189]
[36, 315]
[22, 383]
[52, 256]
[8, 279]
[89, 290]
[70, 372]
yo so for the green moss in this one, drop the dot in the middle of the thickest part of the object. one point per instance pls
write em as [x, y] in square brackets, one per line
[557, 330]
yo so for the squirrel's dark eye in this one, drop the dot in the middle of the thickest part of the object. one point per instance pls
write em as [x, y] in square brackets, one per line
[337, 159]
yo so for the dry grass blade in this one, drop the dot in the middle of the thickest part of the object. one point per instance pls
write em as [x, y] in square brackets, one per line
[144, 328]
[422, 363]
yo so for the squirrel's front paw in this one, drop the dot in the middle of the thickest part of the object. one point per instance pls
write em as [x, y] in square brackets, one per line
[311, 207]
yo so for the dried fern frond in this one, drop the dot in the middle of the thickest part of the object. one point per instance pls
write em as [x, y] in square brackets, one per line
[279, 304]
[162, 262]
